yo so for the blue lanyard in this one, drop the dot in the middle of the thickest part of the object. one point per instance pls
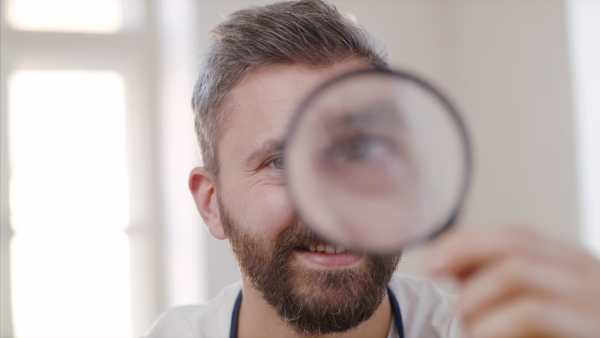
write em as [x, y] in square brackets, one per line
[395, 309]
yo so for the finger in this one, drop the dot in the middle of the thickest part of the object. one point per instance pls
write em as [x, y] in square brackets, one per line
[460, 252]
[530, 317]
[515, 277]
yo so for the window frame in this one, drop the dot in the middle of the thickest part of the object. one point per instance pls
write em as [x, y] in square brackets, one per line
[128, 52]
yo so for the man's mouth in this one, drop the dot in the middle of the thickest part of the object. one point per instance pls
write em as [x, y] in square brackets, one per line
[326, 255]
[324, 248]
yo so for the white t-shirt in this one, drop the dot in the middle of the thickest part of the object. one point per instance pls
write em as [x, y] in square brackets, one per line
[426, 311]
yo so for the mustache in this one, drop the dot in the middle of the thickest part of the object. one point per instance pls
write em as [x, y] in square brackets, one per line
[298, 235]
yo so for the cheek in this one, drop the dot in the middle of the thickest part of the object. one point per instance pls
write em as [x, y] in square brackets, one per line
[273, 211]
[265, 211]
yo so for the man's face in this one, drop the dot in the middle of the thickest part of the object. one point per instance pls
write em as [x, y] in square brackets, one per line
[315, 292]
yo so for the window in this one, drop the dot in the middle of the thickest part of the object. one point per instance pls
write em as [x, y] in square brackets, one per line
[77, 211]
[90, 16]
[68, 203]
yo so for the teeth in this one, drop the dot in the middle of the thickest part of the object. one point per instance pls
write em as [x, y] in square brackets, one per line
[326, 248]
[339, 249]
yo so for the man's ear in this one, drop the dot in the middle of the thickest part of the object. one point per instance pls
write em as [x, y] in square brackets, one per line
[202, 186]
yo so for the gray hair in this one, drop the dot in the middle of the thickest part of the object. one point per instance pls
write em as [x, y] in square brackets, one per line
[309, 32]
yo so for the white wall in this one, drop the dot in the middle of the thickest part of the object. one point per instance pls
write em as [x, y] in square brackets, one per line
[511, 69]
[505, 65]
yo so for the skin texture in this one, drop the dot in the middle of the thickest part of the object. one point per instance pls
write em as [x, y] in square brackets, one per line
[519, 283]
[251, 187]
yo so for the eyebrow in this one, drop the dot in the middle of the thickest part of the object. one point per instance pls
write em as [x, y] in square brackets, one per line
[267, 148]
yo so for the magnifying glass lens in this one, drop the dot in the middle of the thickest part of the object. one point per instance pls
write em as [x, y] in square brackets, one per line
[376, 161]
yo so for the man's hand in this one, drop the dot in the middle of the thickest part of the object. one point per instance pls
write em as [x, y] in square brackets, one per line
[519, 283]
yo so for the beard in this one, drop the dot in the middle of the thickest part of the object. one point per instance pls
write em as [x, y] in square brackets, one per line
[312, 302]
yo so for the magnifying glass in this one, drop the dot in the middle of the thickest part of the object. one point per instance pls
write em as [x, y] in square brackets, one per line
[377, 160]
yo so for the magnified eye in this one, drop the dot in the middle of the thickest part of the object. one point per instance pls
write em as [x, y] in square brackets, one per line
[363, 148]
[277, 163]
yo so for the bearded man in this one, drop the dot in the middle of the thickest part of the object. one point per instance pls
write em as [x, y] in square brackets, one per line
[258, 66]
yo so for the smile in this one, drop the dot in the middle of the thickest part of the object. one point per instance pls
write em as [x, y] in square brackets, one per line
[321, 255]
[326, 248]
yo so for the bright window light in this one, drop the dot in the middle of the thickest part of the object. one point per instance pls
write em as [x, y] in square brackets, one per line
[584, 24]
[76, 16]
[74, 285]
[69, 204]
[67, 151]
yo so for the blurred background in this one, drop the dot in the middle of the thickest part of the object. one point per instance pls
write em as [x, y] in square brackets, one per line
[99, 233]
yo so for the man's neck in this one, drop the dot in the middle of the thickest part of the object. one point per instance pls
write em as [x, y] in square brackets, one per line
[258, 319]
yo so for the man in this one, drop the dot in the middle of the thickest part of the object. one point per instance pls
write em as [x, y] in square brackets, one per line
[260, 63]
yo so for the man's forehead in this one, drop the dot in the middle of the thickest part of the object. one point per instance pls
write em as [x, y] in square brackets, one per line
[262, 104]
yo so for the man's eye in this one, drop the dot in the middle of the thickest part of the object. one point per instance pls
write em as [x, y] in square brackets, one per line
[277, 163]
[358, 149]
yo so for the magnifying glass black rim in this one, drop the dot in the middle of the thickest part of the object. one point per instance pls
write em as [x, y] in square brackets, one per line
[456, 118]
